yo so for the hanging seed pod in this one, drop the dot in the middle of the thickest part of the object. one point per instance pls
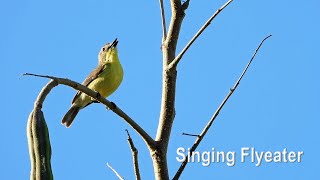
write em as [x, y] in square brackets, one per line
[38, 139]
[39, 146]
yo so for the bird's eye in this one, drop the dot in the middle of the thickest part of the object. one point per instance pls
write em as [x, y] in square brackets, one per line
[103, 49]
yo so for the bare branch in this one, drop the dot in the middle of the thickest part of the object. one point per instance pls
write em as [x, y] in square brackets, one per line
[206, 128]
[145, 136]
[167, 110]
[44, 92]
[185, 5]
[134, 152]
[175, 62]
[163, 19]
[115, 172]
[187, 134]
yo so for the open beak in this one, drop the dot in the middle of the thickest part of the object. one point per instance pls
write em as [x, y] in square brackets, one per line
[114, 43]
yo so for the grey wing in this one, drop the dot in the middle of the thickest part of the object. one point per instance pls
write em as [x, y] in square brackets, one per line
[92, 76]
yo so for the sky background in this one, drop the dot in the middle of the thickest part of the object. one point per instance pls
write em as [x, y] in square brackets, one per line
[276, 105]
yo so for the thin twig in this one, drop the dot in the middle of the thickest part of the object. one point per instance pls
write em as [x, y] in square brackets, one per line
[167, 109]
[206, 128]
[145, 136]
[178, 58]
[44, 92]
[134, 152]
[185, 4]
[187, 134]
[115, 172]
[163, 19]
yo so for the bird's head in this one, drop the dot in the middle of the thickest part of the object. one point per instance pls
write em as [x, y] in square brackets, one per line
[109, 52]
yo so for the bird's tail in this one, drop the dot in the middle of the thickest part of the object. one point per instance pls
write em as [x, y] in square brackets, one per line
[70, 115]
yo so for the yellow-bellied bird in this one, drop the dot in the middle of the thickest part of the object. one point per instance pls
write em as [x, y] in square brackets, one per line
[104, 79]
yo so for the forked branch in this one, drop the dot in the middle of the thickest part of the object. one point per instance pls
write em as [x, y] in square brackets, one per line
[145, 136]
[207, 127]
[163, 20]
[178, 58]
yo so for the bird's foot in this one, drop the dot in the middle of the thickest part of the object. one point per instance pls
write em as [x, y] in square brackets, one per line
[94, 100]
[112, 106]
[98, 95]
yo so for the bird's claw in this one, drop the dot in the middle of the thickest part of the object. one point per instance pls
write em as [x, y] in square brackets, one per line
[112, 106]
[94, 100]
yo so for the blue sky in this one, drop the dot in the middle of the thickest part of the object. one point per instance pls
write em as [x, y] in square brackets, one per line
[275, 107]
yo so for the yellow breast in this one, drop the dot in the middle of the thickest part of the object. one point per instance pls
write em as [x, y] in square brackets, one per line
[109, 79]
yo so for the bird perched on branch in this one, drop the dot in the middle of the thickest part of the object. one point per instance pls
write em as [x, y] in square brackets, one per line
[104, 79]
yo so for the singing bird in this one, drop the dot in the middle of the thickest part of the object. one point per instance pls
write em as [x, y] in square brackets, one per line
[104, 79]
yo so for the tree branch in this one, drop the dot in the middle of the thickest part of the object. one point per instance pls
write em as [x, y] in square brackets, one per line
[134, 152]
[175, 62]
[206, 128]
[115, 172]
[145, 136]
[188, 134]
[167, 110]
[185, 4]
[163, 19]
